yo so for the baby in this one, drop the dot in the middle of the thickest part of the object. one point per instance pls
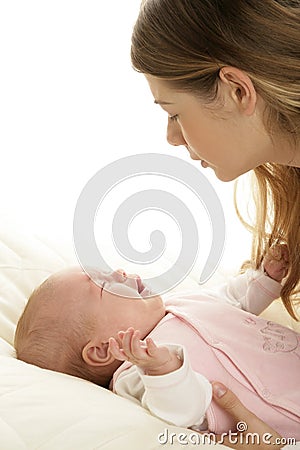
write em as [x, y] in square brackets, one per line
[172, 347]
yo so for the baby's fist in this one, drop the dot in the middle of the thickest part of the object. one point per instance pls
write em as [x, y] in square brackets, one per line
[276, 261]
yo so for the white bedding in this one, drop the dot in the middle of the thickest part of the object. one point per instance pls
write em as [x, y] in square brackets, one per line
[45, 410]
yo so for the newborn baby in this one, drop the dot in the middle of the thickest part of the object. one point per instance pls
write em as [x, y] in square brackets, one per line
[172, 347]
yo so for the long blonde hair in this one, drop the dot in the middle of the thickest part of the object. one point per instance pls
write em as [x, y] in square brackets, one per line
[276, 194]
[187, 42]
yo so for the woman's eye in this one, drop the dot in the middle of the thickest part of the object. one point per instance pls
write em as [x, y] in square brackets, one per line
[173, 118]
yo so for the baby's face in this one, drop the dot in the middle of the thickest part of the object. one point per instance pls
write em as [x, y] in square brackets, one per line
[115, 301]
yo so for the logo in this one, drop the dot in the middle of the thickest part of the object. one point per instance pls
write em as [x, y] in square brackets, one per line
[90, 253]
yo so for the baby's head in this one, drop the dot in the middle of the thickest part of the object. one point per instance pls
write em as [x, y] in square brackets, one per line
[69, 319]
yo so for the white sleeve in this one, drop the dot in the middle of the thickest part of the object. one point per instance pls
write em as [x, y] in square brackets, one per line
[180, 397]
[252, 291]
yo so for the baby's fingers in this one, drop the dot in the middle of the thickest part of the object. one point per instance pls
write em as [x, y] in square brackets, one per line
[115, 350]
[285, 253]
[126, 340]
[138, 347]
[152, 348]
[131, 344]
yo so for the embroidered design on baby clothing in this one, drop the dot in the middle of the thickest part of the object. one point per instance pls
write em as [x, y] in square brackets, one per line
[279, 339]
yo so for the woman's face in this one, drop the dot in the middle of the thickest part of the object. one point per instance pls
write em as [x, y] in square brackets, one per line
[221, 136]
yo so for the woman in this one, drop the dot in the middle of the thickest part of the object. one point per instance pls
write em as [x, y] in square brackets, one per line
[227, 72]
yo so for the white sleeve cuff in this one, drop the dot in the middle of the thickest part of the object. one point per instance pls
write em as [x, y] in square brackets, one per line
[180, 397]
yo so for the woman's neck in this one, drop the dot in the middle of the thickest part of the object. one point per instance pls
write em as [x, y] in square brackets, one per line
[286, 153]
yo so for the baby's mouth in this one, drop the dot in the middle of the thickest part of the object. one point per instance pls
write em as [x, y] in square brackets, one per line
[140, 284]
[143, 290]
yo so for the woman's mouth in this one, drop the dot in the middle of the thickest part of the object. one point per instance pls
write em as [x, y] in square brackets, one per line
[196, 157]
[193, 155]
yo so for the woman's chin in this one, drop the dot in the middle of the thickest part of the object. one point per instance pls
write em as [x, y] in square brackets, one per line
[223, 176]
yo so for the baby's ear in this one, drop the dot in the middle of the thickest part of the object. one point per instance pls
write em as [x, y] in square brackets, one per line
[97, 354]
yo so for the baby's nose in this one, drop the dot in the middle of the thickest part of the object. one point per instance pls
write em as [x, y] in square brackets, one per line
[119, 275]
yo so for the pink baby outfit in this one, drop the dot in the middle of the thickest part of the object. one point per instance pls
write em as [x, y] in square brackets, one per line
[258, 359]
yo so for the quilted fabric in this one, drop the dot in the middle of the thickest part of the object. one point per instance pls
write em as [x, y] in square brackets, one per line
[25, 261]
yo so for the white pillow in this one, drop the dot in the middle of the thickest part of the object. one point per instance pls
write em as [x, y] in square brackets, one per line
[24, 263]
[45, 410]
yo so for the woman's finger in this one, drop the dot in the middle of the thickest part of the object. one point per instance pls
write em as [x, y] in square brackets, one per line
[252, 424]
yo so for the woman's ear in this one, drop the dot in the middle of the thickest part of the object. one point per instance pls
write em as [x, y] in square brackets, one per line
[97, 354]
[241, 88]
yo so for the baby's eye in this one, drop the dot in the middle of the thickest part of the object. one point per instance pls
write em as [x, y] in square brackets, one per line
[174, 117]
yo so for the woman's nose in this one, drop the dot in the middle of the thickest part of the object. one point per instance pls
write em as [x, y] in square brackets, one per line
[174, 134]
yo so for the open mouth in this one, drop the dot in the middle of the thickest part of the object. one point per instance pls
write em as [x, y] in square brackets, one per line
[143, 290]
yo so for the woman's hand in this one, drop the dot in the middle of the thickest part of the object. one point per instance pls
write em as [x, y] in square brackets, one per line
[267, 437]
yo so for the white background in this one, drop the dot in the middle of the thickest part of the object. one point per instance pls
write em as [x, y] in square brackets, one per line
[70, 104]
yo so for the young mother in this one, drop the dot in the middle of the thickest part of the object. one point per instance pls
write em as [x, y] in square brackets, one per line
[227, 72]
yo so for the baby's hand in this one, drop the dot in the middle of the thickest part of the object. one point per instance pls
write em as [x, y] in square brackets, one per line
[276, 261]
[146, 355]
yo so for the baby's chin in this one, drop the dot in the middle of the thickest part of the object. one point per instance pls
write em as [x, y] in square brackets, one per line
[144, 290]
[156, 311]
